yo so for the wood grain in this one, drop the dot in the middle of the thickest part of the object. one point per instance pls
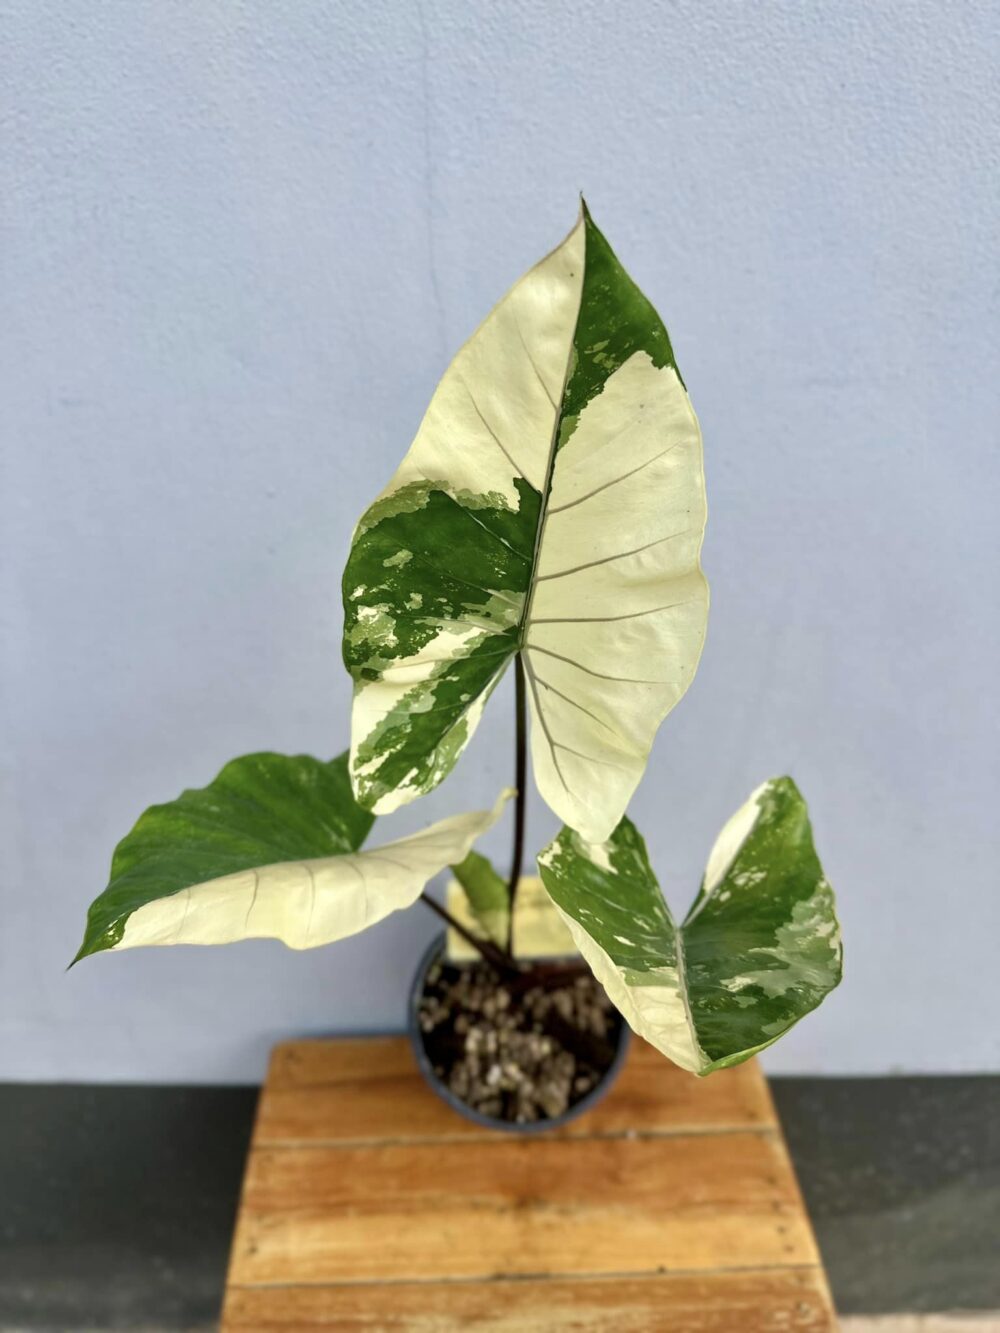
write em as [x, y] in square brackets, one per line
[781, 1301]
[369, 1204]
[355, 1089]
[405, 1211]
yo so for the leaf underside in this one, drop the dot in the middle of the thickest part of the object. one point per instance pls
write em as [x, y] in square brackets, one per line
[269, 849]
[552, 503]
[759, 949]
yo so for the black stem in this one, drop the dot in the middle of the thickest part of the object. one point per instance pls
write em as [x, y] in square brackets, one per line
[520, 777]
[489, 951]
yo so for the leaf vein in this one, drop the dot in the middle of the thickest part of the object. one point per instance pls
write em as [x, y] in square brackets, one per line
[608, 559]
[604, 620]
[570, 504]
[622, 680]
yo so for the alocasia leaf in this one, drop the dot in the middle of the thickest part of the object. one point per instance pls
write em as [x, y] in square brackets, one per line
[267, 850]
[759, 949]
[487, 897]
[552, 503]
[478, 899]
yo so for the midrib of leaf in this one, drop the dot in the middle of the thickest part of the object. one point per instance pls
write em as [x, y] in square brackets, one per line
[682, 985]
[550, 464]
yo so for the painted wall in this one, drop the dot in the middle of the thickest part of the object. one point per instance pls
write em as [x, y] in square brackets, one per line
[242, 241]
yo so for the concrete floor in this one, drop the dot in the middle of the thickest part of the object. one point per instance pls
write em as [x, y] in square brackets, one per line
[922, 1323]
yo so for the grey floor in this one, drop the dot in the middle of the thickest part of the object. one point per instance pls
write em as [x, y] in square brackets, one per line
[116, 1204]
[902, 1180]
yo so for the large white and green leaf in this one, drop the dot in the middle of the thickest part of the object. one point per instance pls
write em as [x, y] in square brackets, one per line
[552, 503]
[759, 949]
[269, 849]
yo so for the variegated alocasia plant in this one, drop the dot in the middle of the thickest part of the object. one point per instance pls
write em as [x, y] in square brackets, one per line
[549, 514]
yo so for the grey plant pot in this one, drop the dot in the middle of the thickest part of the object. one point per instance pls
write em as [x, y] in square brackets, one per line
[434, 952]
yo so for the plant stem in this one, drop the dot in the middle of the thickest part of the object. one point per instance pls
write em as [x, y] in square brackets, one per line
[520, 777]
[489, 951]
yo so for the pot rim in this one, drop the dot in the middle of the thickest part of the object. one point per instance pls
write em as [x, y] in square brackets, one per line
[434, 950]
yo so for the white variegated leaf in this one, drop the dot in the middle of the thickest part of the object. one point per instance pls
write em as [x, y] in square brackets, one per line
[551, 504]
[263, 822]
[759, 949]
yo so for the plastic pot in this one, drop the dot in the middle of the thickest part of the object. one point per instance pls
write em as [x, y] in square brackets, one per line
[434, 953]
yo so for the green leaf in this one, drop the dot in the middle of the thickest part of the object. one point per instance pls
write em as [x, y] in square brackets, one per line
[552, 503]
[759, 949]
[267, 850]
[486, 893]
[478, 900]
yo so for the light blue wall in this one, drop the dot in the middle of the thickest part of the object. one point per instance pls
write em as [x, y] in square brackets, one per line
[242, 240]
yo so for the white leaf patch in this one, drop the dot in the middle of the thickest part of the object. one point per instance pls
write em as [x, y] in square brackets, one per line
[309, 903]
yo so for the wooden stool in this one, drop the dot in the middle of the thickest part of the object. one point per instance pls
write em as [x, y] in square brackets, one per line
[369, 1205]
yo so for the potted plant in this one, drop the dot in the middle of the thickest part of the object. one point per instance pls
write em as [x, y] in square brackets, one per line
[548, 516]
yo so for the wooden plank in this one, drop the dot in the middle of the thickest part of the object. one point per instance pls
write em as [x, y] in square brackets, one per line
[766, 1301]
[407, 1211]
[369, 1204]
[370, 1089]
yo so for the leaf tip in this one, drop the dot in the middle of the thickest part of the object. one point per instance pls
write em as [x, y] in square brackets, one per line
[81, 953]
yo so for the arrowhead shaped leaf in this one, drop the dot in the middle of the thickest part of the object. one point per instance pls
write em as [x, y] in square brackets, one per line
[553, 503]
[267, 850]
[759, 949]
